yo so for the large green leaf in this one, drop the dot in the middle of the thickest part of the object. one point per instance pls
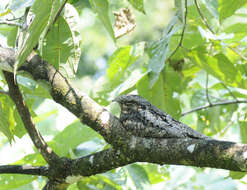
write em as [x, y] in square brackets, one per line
[5, 127]
[237, 175]
[156, 173]
[228, 7]
[70, 137]
[219, 66]
[163, 92]
[118, 63]
[14, 181]
[158, 51]
[138, 176]
[122, 75]
[34, 159]
[10, 122]
[62, 44]
[155, 95]
[40, 11]
[138, 4]
[243, 131]
[43, 13]
[101, 7]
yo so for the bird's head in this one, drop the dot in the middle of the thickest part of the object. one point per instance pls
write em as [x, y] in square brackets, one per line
[131, 102]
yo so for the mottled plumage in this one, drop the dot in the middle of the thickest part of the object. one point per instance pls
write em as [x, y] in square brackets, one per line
[143, 119]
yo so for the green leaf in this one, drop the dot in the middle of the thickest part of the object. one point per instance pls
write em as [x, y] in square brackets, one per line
[243, 131]
[158, 51]
[118, 63]
[70, 137]
[122, 74]
[237, 175]
[122, 59]
[172, 87]
[219, 66]
[212, 7]
[40, 11]
[71, 16]
[156, 173]
[138, 4]
[162, 93]
[44, 116]
[26, 82]
[34, 159]
[138, 176]
[4, 123]
[62, 44]
[43, 13]
[12, 36]
[19, 128]
[101, 7]
[111, 183]
[14, 181]
[228, 7]
[155, 95]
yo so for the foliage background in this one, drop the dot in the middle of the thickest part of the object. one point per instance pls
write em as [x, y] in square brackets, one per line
[209, 66]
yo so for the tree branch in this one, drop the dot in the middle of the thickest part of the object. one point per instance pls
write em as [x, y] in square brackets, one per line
[89, 112]
[207, 95]
[10, 23]
[183, 30]
[4, 92]
[230, 92]
[30, 170]
[184, 151]
[40, 144]
[100, 162]
[204, 20]
[227, 102]
[126, 147]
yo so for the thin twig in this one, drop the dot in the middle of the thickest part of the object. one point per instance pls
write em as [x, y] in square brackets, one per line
[182, 34]
[4, 92]
[22, 169]
[213, 105]
[238, 53]
[230, 92]
[204, 20]
[55, 18]
[15, 94]
[18, 18]
[207, 90]
[226, 128]
[11, 23]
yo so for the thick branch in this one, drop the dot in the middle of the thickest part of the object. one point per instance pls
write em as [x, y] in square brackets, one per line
[40, 144]
[190, 152]
[30, 170]
[78, 103]
[181, 151]
[99, 162]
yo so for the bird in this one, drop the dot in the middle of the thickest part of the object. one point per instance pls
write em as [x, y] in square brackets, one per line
[141, 118]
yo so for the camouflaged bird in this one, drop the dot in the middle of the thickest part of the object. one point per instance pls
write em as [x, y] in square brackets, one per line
[141, 118]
